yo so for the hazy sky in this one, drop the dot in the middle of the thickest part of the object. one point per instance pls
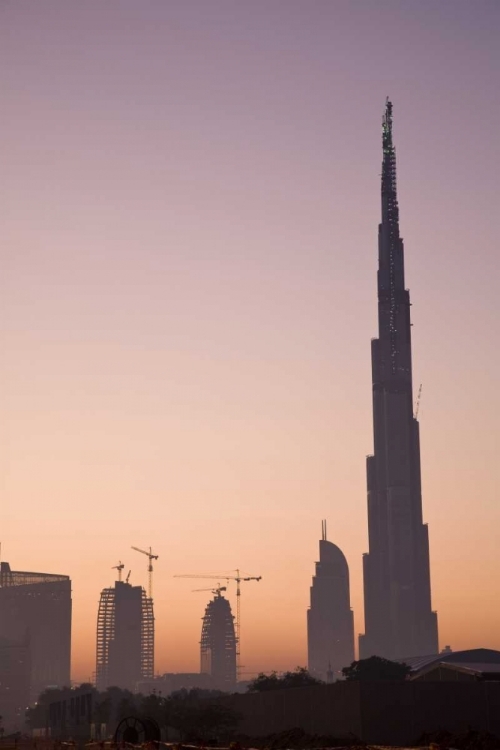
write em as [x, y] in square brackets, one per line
[189, 200]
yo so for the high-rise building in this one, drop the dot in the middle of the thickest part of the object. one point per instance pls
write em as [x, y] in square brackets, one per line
[330, 623]
[35, 611]
[218, 643]
[125, 637]
[14, 684]
[399, 620]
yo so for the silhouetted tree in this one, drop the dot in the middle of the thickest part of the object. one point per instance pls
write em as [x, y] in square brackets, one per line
[264, 682]
[376, 668]
[300, 677]
[199, 714]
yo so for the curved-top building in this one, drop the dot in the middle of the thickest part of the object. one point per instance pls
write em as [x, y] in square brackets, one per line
[330, 622]
[218, 643]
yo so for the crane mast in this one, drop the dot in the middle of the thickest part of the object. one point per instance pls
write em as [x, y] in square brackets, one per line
[119, 568]
[150, 557]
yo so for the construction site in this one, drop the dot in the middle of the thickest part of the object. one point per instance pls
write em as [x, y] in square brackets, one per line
[220, 644]
[125, 643]
[456, 690]
[126, 631]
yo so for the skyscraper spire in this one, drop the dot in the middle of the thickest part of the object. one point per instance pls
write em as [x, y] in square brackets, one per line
[391, 282]
[398, 617]
[389, 158]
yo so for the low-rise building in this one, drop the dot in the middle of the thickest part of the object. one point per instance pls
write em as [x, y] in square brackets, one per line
[478, 664]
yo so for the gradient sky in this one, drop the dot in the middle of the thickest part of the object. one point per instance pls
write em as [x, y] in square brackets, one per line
[189, 200]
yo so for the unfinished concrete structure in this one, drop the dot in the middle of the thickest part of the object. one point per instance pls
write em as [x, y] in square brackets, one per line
[218, 643]
[35, 612]
[125, 637]
[330, 624]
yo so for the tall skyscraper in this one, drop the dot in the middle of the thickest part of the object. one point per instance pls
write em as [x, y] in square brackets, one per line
[218, 643]
[399, 620]
[35, 612]
[330, 625]
[125, 637]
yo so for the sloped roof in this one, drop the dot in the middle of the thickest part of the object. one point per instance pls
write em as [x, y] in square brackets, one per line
[488, 659]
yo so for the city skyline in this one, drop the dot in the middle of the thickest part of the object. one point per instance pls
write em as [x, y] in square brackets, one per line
[189, 197]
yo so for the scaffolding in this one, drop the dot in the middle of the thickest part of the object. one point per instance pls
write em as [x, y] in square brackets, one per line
[147, 637]
[105, 636]
[218, 643]
[108, 646]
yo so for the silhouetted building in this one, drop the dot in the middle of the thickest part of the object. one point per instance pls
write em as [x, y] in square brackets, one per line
[330, 623]
[35, 611]
[70, 715]
[14, 684]
[472, 665]
[125, 637]
[218, 644]
[399, 620]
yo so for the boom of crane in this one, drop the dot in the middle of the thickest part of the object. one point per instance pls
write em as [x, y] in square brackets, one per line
[150, 557]
[217, 591]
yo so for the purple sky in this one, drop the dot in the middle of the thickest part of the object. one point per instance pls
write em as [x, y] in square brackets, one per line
[189, 199]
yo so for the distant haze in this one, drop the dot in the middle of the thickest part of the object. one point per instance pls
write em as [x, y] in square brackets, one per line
[189, 200]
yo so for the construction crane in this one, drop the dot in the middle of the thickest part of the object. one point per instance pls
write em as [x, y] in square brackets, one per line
[417, 405]
[238, 578]
[216, 591]
[119, 568]
[150, 557]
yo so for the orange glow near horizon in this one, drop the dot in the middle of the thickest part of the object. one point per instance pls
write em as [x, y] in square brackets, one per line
[189, 200]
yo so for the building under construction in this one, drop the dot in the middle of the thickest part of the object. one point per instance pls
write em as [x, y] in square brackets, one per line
[218, 643]
[125, 637]
[35, 619]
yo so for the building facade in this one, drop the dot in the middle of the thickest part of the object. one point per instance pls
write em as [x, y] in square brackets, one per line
[125, 637]
[399, 620]
[330, 622]
[218, 644]
[14, 684]
[35, 611]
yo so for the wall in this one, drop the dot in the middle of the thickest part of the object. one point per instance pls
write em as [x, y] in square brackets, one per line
[383, 712]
